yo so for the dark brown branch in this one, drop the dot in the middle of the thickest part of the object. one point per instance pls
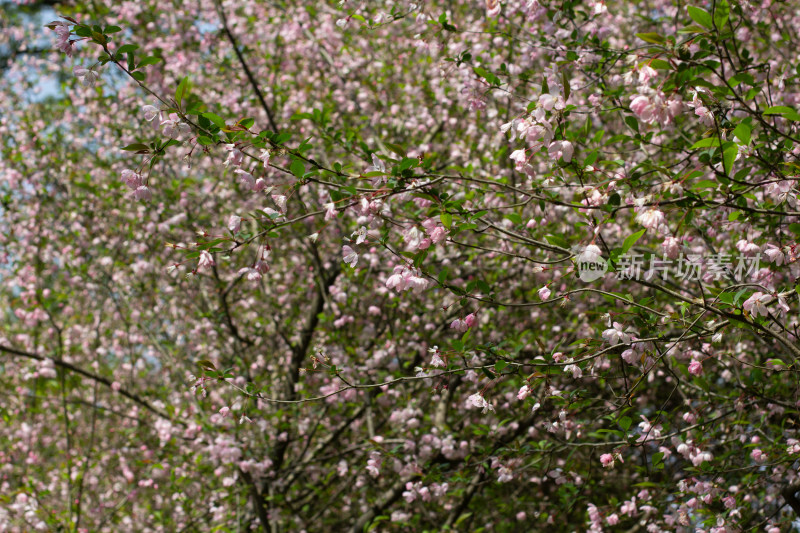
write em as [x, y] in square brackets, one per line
[99, 379]
[248, 73]
[790, 495]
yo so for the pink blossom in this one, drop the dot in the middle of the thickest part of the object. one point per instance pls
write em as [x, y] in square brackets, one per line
[643, 108]
[561, 149]
[671, 247]
[234, 223]
[246, 180]
[235, 156]
[519, 158]
[477, 400]
[755, 305]
[729, 501]
[469, 320]
[251, 274]
[695, 368]
[173, 127]
[544, 293]
[132, 179]
[524, 392]
[758, 455]
[651, 218]
[142, 193]
[436, 359]
[438, 234]
[774, 254]
[459, 325]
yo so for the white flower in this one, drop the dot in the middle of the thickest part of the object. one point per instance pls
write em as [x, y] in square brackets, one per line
[377, 165]
[651, 218]
[477, 400]
[234, 223]
[280, 201]
[360, 234]
[265, 155]
[206, 260]
[174, 128]
[150, 112]
[86, 76]
[246, 180]
[615, 335]
[350, 256]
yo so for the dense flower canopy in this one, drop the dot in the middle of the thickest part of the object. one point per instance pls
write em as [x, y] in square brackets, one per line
[349, 266]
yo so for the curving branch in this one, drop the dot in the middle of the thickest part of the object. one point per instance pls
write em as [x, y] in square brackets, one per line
[99, 379]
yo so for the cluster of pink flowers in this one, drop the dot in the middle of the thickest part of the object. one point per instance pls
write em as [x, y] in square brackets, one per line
[136, 183]
[406, 278]
[463, 325]
[652, 106]
[63, 34]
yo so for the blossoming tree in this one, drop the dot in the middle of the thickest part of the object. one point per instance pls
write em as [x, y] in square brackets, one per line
[399, 266]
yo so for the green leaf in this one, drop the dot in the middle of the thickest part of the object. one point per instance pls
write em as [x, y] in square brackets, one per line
[742, 77]
[632, 122]
[624, 422]
[149, 60]
[694, 28]
[447, 220]
[631, 240]
[721, 14]
[112, 29]
[785, 111]
[705, 143]
[138, 76]
[701, 16]
[182, 91]
[729, 154]
[557, 240]
[742, 132]
[205, 141]
[125, 48]
[298, 168]
[660, 64]
[136, 147]
[205, 364]
[488, 76]
[499, 366]
[215, 119]
[396, 148]
[651, 38]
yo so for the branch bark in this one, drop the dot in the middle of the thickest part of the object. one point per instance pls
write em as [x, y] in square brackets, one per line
[99, 379]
